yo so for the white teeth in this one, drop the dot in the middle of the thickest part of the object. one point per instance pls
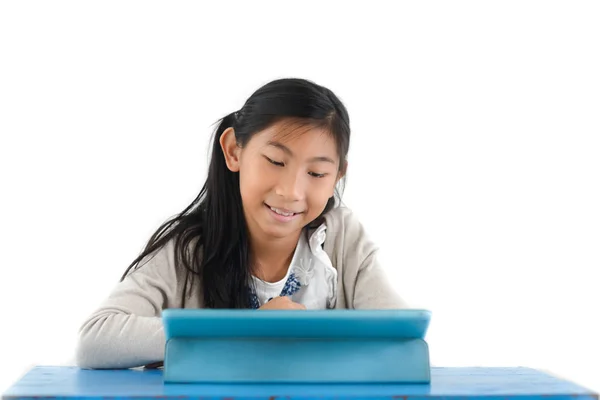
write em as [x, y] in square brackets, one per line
[278, 211]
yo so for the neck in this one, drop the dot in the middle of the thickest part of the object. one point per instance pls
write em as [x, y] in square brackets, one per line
[271, 257]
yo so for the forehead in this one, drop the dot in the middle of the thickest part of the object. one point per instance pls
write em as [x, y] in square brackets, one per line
[301, 137]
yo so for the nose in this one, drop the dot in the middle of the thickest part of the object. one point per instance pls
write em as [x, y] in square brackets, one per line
[291, 186]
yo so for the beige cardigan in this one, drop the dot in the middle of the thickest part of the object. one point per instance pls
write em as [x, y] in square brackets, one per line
[126, 331]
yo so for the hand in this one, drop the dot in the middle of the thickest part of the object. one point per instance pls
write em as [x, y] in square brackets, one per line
[282, 303]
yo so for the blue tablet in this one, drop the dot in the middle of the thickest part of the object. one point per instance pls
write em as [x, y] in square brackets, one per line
[317, 324]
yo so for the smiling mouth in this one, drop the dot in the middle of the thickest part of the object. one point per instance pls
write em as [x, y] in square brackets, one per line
[282, 211]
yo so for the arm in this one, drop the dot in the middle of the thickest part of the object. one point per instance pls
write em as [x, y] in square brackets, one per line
[366, 283]
[373, 289]
[126, 331]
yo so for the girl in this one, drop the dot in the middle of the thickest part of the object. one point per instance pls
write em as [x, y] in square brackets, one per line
[265, 231]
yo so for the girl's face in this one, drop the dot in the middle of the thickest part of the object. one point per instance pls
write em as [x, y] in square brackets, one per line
[287, 173]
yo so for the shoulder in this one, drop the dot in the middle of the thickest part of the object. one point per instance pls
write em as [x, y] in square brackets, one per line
[339, 218]
[346, 239]
[169, 255]
[165, 267]
[344, 226]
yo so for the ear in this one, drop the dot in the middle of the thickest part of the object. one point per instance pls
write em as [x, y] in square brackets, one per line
[341, 174]
[342, 171]
[231, 150]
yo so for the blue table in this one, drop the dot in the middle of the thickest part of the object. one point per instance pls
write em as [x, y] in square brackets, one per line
[446, 384]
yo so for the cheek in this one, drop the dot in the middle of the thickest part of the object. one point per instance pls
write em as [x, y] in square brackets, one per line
[254, 181]
[321, 192]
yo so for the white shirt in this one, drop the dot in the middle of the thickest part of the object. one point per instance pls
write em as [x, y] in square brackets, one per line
[310, 280]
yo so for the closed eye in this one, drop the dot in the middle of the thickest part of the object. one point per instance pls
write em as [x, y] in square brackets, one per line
[279, 164]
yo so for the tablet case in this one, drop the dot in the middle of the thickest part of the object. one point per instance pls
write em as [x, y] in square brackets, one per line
[308, 346]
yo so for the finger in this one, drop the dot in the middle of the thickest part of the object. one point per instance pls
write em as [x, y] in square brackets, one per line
[286, 299]
[298, 306]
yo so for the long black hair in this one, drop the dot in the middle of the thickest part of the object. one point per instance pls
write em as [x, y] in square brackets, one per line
[211, 237]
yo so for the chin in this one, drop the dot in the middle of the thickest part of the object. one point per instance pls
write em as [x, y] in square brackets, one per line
[280, 232]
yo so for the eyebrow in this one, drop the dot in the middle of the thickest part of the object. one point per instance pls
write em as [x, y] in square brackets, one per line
[289, 152]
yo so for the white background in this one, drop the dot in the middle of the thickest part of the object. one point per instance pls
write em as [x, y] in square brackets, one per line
[474, 163]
